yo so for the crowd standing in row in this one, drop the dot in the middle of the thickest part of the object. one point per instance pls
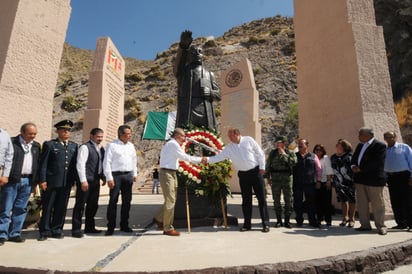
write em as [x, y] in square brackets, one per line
[305, 179]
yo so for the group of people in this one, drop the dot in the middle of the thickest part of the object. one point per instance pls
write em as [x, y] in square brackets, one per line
[305, 179]
[56, 166]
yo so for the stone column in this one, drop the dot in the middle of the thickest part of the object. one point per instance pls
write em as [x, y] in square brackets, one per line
[106, 91]
[240, 105]
[32, 35]
[343, 77]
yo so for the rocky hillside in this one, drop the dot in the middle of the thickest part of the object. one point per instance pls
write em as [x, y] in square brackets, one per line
[269, 45]
[151, 86]
[396, 18]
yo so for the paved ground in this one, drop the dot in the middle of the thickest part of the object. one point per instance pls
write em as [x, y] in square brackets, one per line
[146, 249]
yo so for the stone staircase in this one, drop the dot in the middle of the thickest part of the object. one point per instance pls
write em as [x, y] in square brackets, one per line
[146, 188]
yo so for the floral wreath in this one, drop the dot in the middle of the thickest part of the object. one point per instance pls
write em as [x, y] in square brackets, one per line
[211, 180]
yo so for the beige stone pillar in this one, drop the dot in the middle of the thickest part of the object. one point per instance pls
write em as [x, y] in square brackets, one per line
[343, 77]
[32, 35]
[106, 91]
[240, 105]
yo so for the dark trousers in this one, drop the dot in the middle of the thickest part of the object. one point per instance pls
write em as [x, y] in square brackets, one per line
[249, 180]
[54, 207]
[123, 183]
[323, 203]
[309, 191]
[401, 200]
[90, 198]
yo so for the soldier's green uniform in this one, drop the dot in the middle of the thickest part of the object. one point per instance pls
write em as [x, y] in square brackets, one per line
[279, 171]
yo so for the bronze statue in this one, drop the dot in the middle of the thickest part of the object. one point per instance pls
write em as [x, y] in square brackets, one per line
[197, 87]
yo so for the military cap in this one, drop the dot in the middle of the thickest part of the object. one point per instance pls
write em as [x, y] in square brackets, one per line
[65, 124]
[281, 138]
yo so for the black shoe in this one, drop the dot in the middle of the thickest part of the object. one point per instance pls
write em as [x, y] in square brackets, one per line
[2, 241]
[265, 229]
[399, 227]
[299, 224]
[278, 224]
[42, 238]
[58, 236]
[363, 229]
[243, 229]
[92, 231]
[344, 222]
[16, 239]
[109, 232]
[126, 229]
[287, 225]
[77, 235]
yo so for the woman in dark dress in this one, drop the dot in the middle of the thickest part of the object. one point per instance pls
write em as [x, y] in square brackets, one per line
[342, 181]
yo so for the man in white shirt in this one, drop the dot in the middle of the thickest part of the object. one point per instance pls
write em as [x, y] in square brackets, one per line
[249, 160]
[89, 167]
[170, 155]
[120, 169]
[6, 156]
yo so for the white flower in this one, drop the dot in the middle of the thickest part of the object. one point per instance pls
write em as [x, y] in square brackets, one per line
[185, 172]
[180, 169]
[190, 175]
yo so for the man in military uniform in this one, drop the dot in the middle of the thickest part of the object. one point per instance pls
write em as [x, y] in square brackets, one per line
[197, 87]
[57, 174]
[279, 167]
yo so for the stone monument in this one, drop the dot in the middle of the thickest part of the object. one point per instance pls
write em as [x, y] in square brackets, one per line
[240, 105]
[32, 35]
[343, 78]
[105, 107]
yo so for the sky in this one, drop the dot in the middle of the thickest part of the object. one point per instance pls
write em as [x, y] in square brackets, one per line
[143, 28]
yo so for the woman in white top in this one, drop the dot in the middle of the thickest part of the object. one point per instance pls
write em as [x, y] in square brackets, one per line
[323, 194]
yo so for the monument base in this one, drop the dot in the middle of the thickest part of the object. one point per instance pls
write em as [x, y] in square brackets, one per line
[202, 211]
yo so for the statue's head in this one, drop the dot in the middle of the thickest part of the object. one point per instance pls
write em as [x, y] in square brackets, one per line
[196, 55]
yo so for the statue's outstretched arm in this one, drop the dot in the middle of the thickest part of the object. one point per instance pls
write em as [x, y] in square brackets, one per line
[182, 52]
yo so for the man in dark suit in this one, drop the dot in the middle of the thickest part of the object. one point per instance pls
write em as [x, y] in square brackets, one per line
[90, 170]
[15, 195]
[57, 174]
[369, 178]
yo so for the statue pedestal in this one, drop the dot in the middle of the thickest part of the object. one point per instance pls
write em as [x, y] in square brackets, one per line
[202, 211]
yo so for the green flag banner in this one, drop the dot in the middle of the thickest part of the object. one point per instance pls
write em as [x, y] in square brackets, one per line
[159, 125]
